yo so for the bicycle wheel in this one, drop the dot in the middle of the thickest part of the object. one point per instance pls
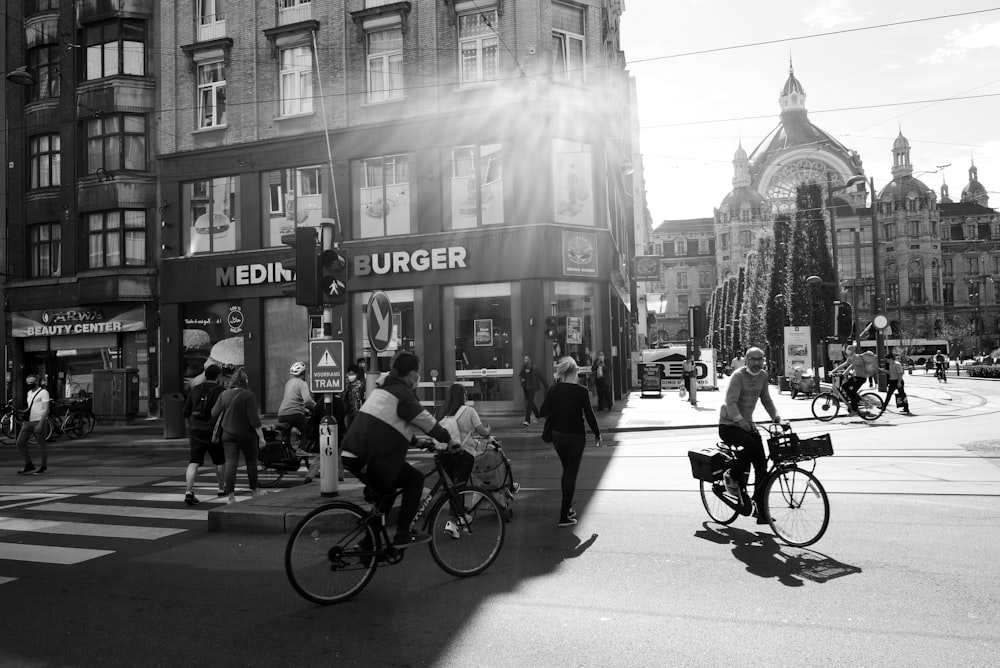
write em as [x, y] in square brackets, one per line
[870, 406]
[331, 553]
[9, 426]
[73, 425]
[50, 433]
[480, 535]
[798, 509]
[87, 421]
[714, 506]
[825, 407]
[268, 476]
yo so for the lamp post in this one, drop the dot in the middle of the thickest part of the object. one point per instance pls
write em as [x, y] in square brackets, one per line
[974, 298]
[876, 275]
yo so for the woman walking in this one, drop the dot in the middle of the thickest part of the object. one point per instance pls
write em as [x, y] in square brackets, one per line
[241, 432]
[567, 404]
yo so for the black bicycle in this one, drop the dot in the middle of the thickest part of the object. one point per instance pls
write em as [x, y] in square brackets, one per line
[279, 456]
[72, 419]
[333, 552]
[794, 501]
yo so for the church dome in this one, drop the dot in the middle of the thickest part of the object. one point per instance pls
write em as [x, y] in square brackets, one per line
[740, 199]
[975, 191]
[903, 187]
[901, 142]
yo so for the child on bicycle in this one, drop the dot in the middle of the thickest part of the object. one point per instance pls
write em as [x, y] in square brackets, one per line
[747, 384]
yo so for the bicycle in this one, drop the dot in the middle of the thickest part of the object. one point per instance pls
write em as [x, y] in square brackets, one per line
[940, 374]
[73, 420]
[333, 552]
[826, 405]
[794, 501]
[278, 456]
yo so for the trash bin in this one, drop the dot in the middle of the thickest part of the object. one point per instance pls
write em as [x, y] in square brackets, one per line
[173, 415]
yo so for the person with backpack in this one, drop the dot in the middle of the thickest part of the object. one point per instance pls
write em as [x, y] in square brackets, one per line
[198, 411]
[462, 422]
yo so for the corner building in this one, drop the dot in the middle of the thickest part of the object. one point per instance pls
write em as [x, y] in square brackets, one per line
[474, 157]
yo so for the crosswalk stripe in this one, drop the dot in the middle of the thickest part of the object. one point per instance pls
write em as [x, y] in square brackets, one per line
[49, 554]
[87, 529]
[154, 496]
[5, 580]
[125, 511]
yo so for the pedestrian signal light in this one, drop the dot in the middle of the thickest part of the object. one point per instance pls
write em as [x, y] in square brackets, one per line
[333, 276]
[551, 328]
[843, 320]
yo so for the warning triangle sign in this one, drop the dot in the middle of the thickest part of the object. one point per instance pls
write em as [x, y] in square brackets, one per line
[327, 360]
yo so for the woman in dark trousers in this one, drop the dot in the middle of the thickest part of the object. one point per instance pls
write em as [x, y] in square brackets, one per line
[241, 432]
[567, 404]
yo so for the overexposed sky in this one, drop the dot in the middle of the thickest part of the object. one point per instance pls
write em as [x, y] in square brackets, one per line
[709, 75]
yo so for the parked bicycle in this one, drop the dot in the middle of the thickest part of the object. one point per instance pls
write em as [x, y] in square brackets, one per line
[794, 501]
[278, 456]
[72, 419]
[333, 552]
[826, 405]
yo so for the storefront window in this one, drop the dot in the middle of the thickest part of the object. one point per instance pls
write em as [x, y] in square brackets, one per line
[483, 349]
[403, 326]
[211, 222]
[381, 193]
[572, 179]
[285, 341]
[213, 334]
[575, 313]
[476, 186]
[294, 198]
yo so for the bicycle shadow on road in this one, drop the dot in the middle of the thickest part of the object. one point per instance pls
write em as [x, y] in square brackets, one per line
[766, 558]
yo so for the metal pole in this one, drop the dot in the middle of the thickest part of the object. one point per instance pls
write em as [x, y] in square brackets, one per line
[879, 338]
[329, 459]
[833, 234]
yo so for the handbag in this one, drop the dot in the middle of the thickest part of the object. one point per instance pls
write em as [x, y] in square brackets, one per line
[24, 413]
[547, 431]
[217, 429]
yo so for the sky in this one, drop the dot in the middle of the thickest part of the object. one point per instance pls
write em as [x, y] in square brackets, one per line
[708, 77]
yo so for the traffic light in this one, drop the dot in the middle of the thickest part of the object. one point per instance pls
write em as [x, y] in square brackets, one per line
[551, 328]
[843, 320]
[304, 265]
[697, 324]
[333, 277]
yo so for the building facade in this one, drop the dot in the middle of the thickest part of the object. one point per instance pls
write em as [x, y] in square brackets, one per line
[473, 157]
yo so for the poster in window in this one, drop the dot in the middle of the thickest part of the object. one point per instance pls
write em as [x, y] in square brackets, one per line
[484, 332]
[571, 183]
[574, 330]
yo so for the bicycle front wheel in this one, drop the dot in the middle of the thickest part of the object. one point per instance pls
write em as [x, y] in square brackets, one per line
[466, 545]
[268, 476]
[87, 423]
[798, 509]
[715, 506]
[870, 406]
[73, 425]
[331, 554]
[825, 407]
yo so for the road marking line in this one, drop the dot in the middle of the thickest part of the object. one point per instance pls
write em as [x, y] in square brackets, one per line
[48, 554]
[125, 511]
[86, 529]
[4, 580]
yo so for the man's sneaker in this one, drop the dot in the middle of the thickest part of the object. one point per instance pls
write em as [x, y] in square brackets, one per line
[451, 529]
[191, 499]
[413, 538]
[27, 469]
[40, 470]
[567, 521]
[526, 423]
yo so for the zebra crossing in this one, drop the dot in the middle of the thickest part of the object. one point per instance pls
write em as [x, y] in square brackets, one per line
[31, 516]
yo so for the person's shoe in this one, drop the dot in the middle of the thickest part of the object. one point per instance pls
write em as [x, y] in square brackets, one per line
[29, 468]
[451, 529]
[762, 519]
[534, 419]
[191, 499]
[526, 423]
[567, 521]
[757, 515]
[40, 470]
[410, 539]
[259, 492]
[221, 492]
[231, 499]
[571, 514]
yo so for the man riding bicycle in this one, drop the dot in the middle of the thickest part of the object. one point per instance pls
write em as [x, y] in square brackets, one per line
[297, 403]
[747, 384]
[374, 448]
[939, 366]
[852, 383]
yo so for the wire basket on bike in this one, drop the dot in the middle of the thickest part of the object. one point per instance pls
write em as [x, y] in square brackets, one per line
[786, 446]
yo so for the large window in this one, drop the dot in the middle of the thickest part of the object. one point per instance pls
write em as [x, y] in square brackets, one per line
[568, 28]
[44, 245]
[45, 161]
[43, 62]
[571, 182]
[116, 142]
[296, 81]
[295, 198]
[972, 266]
[116, 238]
[476, 186]
[478, 47]
[115, 47]
[211, 11]
[210, 215]
[211, 94]
[382, 196]
[385, 65]
[483, 340]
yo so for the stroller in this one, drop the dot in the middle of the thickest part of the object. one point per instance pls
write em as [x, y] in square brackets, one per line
[492, 472]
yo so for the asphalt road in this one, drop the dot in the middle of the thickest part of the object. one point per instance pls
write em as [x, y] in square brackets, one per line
[906, 574]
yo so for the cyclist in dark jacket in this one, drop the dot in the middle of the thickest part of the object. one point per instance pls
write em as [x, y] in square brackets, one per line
[374, 448]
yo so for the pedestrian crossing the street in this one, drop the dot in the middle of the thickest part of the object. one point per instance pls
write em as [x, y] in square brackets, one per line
[63, 510]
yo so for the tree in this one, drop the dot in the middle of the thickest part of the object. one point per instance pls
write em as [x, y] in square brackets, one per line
[956, 334]
[810, 256]
[775, 313]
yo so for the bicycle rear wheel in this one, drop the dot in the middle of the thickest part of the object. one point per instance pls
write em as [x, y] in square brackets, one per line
[331, 554]
[870, 406]
[798, 509]
[87, 423]
[825, 407]
[714, 506]
[268, 476]
[480, 532]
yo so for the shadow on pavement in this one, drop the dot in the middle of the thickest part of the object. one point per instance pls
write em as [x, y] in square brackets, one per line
[766, 558]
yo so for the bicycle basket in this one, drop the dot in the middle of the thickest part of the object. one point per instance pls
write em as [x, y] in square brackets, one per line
[818, 446]
[783, 446]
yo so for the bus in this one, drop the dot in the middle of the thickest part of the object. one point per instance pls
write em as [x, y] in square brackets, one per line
[918, 351]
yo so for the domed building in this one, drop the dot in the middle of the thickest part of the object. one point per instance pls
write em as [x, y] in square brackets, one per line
[975, 191]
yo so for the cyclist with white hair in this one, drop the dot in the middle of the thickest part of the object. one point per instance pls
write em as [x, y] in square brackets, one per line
[297, 402]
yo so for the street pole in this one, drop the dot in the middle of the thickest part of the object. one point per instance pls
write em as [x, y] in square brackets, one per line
[330, 468]
[876, 272]
[833, 234]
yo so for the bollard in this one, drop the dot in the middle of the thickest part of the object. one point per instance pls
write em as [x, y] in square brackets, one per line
[328, 457]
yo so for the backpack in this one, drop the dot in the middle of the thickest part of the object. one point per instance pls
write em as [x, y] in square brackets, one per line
[450, 422]
[205, 401]
[871, 363]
